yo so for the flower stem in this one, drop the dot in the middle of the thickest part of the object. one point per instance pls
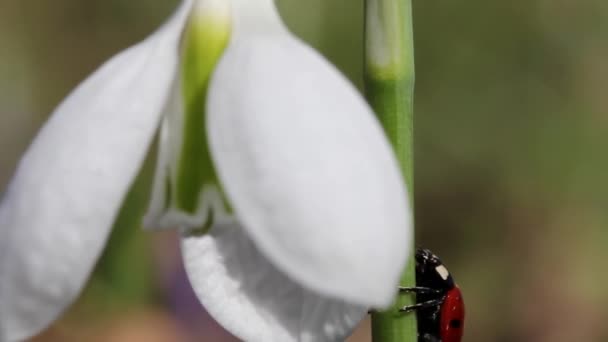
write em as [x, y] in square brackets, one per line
[389, 87]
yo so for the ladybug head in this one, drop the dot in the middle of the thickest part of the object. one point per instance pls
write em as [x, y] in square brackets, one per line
[431, 272]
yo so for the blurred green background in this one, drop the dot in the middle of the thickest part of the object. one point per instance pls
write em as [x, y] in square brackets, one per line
[511, 126]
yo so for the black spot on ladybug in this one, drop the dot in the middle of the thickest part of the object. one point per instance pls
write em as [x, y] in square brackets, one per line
[455, 323]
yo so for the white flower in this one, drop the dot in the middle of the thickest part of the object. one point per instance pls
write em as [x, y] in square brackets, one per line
[319, 227]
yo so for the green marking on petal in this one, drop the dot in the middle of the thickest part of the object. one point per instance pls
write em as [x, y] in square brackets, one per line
[204, 229]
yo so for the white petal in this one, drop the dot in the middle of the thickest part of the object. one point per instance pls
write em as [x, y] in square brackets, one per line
[58, 210]
[253, 300]
[308, 169]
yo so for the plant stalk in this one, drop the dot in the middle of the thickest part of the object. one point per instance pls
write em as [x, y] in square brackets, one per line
[389, 88]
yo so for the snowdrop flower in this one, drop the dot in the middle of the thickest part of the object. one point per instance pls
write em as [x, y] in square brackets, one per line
[290, 202]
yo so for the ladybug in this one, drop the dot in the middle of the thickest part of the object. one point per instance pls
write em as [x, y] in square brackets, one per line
[439, 305]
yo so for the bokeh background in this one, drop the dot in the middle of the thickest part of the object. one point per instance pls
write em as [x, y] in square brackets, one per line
[511, 131]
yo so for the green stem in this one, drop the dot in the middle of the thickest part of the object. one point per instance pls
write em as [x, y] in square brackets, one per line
[389, 87]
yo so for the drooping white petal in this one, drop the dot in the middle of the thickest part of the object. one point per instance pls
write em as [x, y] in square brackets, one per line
[58, 209]
[255, 301]
[308, 169]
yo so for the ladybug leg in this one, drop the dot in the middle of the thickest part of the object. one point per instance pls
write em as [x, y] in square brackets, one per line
[423, 305]
[419, 289]
[428, 338]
